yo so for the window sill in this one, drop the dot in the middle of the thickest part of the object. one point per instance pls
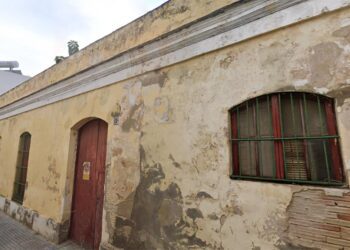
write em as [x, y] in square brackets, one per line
[292, 182]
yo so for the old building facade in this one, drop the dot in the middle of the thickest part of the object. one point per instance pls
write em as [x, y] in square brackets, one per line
[203, 124]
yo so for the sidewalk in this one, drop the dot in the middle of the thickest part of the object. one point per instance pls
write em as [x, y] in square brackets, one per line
[15, 236]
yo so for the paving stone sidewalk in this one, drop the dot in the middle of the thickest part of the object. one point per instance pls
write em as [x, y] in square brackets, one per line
[15, 236]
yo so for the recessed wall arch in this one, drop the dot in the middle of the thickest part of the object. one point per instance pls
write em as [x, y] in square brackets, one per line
[288, 89]
[71, 161]
[74, 162]
[81, 122]
[20, 180]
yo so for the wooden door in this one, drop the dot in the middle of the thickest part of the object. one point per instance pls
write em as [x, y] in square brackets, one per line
[87, 205]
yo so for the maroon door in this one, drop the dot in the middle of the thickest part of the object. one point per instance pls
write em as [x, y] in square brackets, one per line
[86, 218]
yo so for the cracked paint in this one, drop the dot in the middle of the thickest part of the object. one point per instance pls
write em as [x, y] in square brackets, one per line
[168, 161]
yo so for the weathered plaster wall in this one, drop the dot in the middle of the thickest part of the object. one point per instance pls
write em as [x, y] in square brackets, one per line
[184, 197]
[168, 162]
[51, 132]
[166, 18]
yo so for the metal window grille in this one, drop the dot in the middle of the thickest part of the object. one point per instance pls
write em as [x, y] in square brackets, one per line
[286, 137]
[21, 168]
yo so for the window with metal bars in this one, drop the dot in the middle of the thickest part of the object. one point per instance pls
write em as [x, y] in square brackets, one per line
[287, 137]
[21, 168]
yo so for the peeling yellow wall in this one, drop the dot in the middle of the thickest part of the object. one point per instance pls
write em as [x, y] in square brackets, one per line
[48, 158]
[166, 18]
[168, 162]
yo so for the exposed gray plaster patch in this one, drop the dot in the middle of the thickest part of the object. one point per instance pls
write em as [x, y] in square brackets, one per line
[194, 213]
[343, 32]
[340, 94]
[154, 77]
[323, 61]
[162, 110]
[203, 195]
[133, 120]
[175, 163]
[213, 216]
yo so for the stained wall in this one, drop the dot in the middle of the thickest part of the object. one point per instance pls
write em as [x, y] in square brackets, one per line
[168, 160]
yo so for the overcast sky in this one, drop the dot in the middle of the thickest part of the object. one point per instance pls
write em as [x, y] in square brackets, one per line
[33, 32]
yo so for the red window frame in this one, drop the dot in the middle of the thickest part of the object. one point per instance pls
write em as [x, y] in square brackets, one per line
[327, 105]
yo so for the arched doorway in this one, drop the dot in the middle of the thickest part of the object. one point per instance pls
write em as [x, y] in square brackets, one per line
[87, 204]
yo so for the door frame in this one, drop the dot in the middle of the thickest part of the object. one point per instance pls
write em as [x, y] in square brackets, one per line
[71, 176]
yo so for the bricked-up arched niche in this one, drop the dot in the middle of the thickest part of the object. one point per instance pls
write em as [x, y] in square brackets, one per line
[288, 137]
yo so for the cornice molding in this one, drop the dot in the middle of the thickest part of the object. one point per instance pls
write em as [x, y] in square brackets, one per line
[234, 24]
